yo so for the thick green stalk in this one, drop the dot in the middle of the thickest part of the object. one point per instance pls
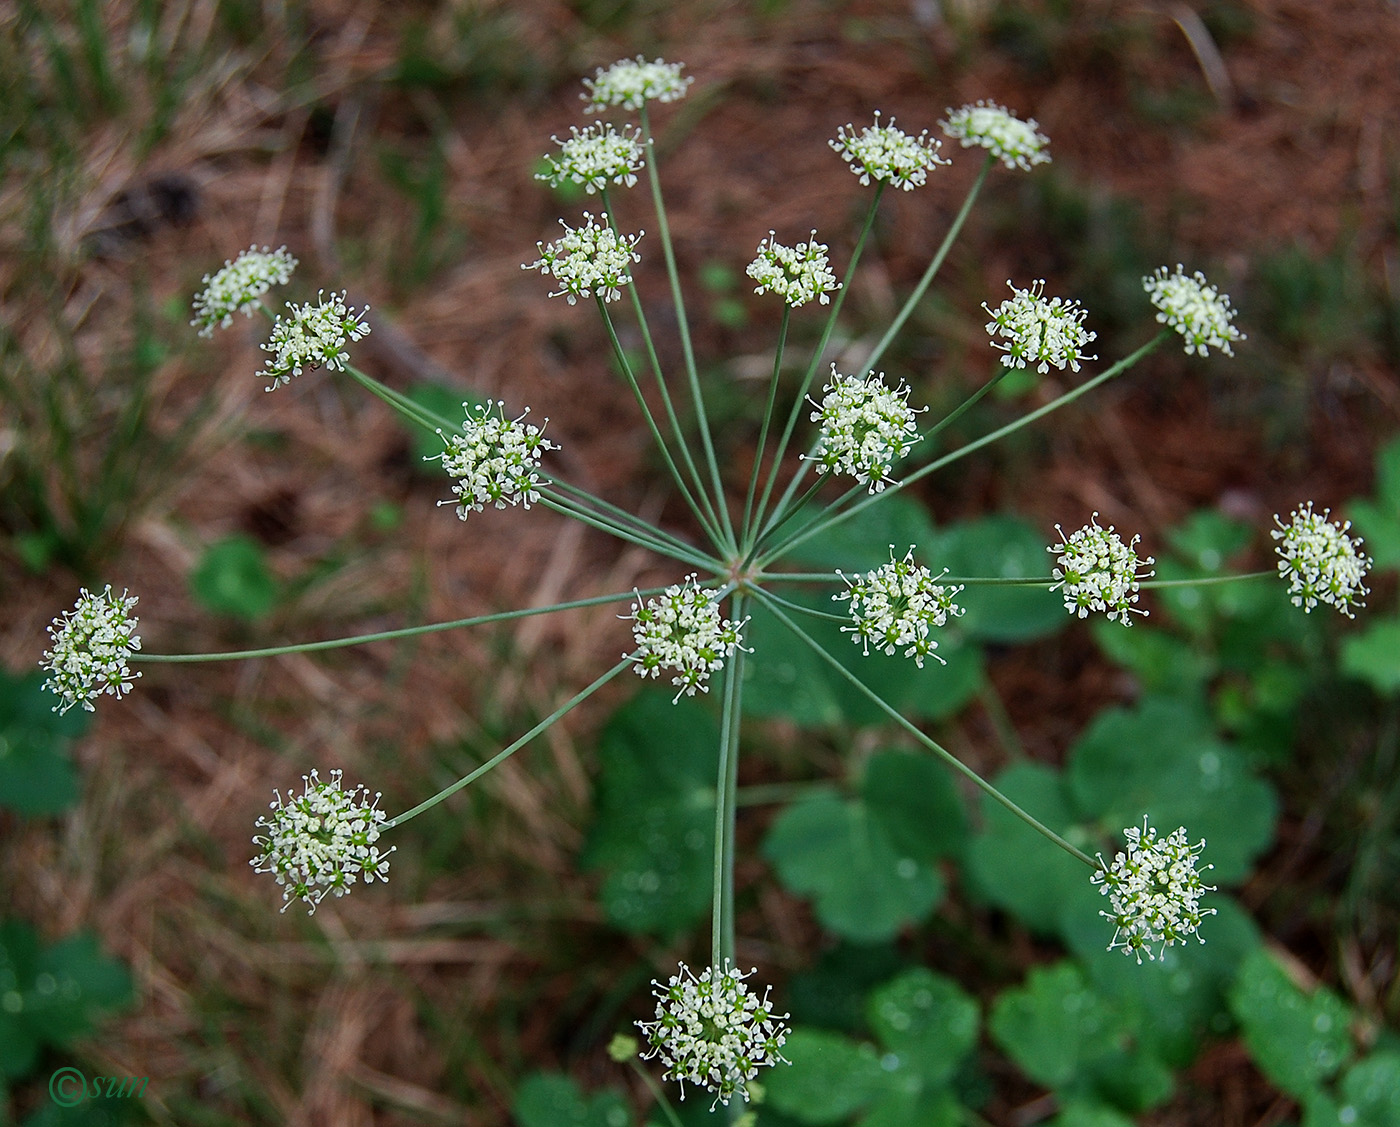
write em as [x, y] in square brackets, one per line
[691, 556]
[1068, 397]
[726, 786]
[683, 328]
[948, 757]
[390, 635]
[548, 722]
[747, 529]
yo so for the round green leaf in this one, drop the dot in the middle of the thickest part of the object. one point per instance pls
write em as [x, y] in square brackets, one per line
[927, 1021]
[913, 798]
[830, 1077]
[1372, 1091]
[835, 851]
[554, 1100]
[1002, 547]
[233, 578]
[1047, 1025]
[1373, 656]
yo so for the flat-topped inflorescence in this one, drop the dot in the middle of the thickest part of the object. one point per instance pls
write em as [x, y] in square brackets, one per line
[1040, 332]
[1016, 143]
[91, 646]
[865, 428]
[310, 336]
[595, 156]
[493, 460]
[888, 155]
[714, 1031]
[1194, 308]
[1098, 572]
[239, 287]
[898, 605]
[631, 83]
[592, 260]
[1321, 563]
[1154, 891]
[682, 632]
[797, 274]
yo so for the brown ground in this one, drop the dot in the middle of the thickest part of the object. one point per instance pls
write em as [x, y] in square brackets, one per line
[1301, 150]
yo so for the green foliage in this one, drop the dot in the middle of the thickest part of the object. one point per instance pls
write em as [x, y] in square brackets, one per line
[553, 1100]
[653, 836]
[52, 994]
[1002, 547]
[233, 578]
[1373, 654]
[36, 775]
[445, 402]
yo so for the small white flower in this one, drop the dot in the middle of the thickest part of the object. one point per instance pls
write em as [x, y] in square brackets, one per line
[796, 274]
[595, 156]
[882, 152]
[1039, 332]
[899, 604]
[1016, 143]
[321, 842]
[1098, 572]
[1194, 308]
[682, 631]
[238, 287]
[1154, 891]
[865, 428]
[308, 336]
[630, 83]
[91, 645]
[714, 1031]
[1320, 561]
[494, 459]
[588, 260]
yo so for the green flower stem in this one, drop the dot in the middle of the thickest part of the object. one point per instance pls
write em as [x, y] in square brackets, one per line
[722, 916]
[747, 527]
[811, 612]
[1068, 397]
[706, 522]
[467, 779]
[785, 513]
[621, 516]
[692, 556]
[657, 1093]
[390, 635]
[1207, 581]
[793, 415]
[683, 327]
[948, 757]
[933, 267]
[413, 412]
[765, 794]
[655, 364]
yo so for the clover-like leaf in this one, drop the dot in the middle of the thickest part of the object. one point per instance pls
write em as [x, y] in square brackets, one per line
[1005, 548]
[547, 1099]
[927, 1021]
[36, 775]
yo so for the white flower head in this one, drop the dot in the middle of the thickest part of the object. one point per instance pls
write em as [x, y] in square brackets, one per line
[91, 645]
[898, 605]
[865, 428]
[493, 459]
[588, 260]
[1040, 332]
[1194, 308]
[1154, 891]
[1016, 143]
[1320, 561]
[682, 631]
[594, 157]
[1098, 572]
[882, 152]
[796, 274]
[631, 83]
[322, 841]
[714, 1031]
[239, 286]
[309, 336]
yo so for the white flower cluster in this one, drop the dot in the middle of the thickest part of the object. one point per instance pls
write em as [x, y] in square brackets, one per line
[91, 645]
[714, 1031]
[796, 274]
[322, 841]
[865, 428]
[1097, 571]
[1194, 308]
[681, 630]
[897, 605]
[1154, 891]
[1016, 143]
[239, 286]
[1039, 332]
[882, 152]
[1320, 561]
[593, 157]
[588, 260]
[309, 336]
[493, 459]
[630, 83]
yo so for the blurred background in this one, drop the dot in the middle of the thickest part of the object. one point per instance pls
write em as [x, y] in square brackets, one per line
[392, 148]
